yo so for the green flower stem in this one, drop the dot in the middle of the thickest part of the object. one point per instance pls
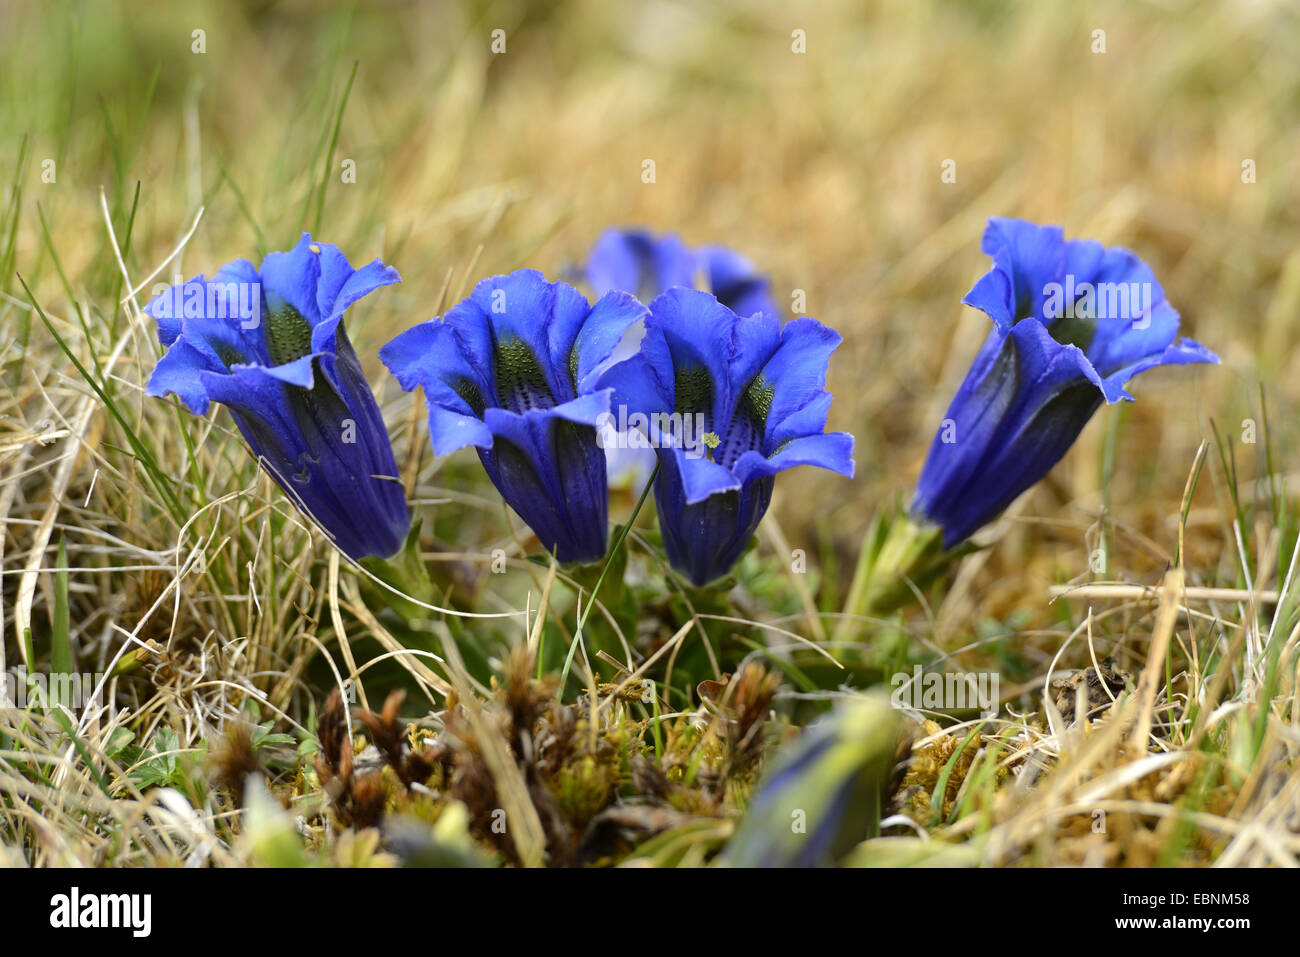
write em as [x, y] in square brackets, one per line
[609, 560]
[899, 557]
[407, 573]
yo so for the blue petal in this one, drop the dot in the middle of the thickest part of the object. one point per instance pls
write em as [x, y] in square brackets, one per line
[1183, 352]
[995, 292]
[220, 311]
[602, 331]
[796, 372]
[1127, 341]
[292, 278]
[699, 331]
[340, 286]
[409, 355]
[808, 420]
[298, 372]
[703, 540]
[473, 343]
[450, 431]
[736, 282]
[642, 383]
[432, 355]
[701, 477]
[1006, 427]
[179, 373]
[584, 410]
[238, 270]
[1032, 255]
[548, 466]
[343, 371]
[634, 261]
[168, 309]
[827, 450]
[347, 487]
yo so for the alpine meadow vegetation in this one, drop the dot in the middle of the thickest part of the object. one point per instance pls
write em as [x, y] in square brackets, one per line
[638, 435]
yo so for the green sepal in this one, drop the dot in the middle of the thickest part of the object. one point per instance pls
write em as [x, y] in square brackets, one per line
[899, 558]
[405, 572]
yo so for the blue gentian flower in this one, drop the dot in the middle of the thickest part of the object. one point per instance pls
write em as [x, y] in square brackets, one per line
[1073, 322]
[638, 262]
[269, 344]
[643, 264]
[512, 371]
[728, 402]
[834, 778]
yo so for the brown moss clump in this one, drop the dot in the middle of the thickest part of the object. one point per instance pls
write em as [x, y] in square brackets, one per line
[357, 799]
[596, 785]
[233, 758]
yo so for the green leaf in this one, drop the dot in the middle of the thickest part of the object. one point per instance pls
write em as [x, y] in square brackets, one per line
[60, 639]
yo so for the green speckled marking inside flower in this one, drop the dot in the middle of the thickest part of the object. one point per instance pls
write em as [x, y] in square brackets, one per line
[288, 335]
[229, 355]
[573, 367]
[1074, 331]
[757, 401]
[469, 391]
[521, 384]
[748, 423]
[694, 390]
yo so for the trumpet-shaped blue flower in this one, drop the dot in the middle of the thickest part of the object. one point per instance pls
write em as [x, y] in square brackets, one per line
[835, 776]
[728, 402]
[638, 262]
[512, 371]
[269, 344]
[641, 263]
[1073, 322]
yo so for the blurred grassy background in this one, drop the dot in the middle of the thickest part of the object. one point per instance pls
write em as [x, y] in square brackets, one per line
[823, 167]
